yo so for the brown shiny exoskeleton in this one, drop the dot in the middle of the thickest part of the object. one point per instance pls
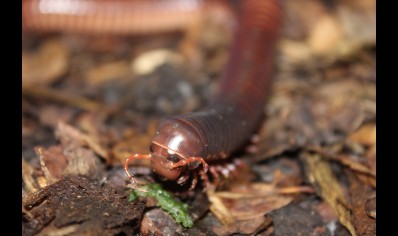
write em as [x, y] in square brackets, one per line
[185, 142]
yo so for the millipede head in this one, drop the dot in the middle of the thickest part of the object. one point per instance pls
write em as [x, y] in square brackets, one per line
[174, 150]
[173, 146]
[163, 160]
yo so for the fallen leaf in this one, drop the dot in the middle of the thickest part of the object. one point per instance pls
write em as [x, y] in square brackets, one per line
[139, 143]
[108, 72]
[147, 62]
[31, 185]
[358, 21]
[50, 115]
[295, 51]
[46, 65]
[261, 190]
[53, 160]
[355, 162]
[59, 96]
[78, 151]
[209, 225]
[72, 137]
[247, 202]
[219, 209]
[325, 35]
[365, 135]
[321, 176]
[135, 142]
[49, 178]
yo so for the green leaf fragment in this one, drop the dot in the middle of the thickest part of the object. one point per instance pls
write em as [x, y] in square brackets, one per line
[178, 210]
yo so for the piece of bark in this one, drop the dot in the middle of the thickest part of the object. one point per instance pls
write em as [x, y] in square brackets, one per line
[81, 202]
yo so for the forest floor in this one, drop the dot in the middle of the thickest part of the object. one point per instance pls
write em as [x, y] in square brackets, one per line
[89, 102]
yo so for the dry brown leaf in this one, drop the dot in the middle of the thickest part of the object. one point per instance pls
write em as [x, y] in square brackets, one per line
[46, 65]
[342, 105]
[41, 180]
[54, 159]
[325, 35]
[50, 115]
[320, 175]
[355, 165]
[365, 172]
[261, 190]
[209, 225]
[358, 20]
[138, 144]
[249, 209]
[150, 60]
[243, 226]
[95, 146]
[27, 176]
[54, 231]
[81, 160]
[61, 97]
[58, 161]
[68, 135]
[95, 131]
[72, 137]
[295, 51]
[365, 135]
[246, 203]
[219, 209]
[135, 142]
[359, 167]
[47, 173]
[108, 72]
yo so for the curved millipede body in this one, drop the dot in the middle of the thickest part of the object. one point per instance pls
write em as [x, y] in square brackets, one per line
[119, 17]
[237, 108]
[184, 142]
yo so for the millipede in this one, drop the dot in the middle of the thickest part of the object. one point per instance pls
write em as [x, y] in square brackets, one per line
[186, 145]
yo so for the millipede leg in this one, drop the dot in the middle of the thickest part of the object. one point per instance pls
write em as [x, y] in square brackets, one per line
[183, 179]
[232, 170]
[215, 175]
[128, 160]
[204, 178]
[221, 169]
[194, 181]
